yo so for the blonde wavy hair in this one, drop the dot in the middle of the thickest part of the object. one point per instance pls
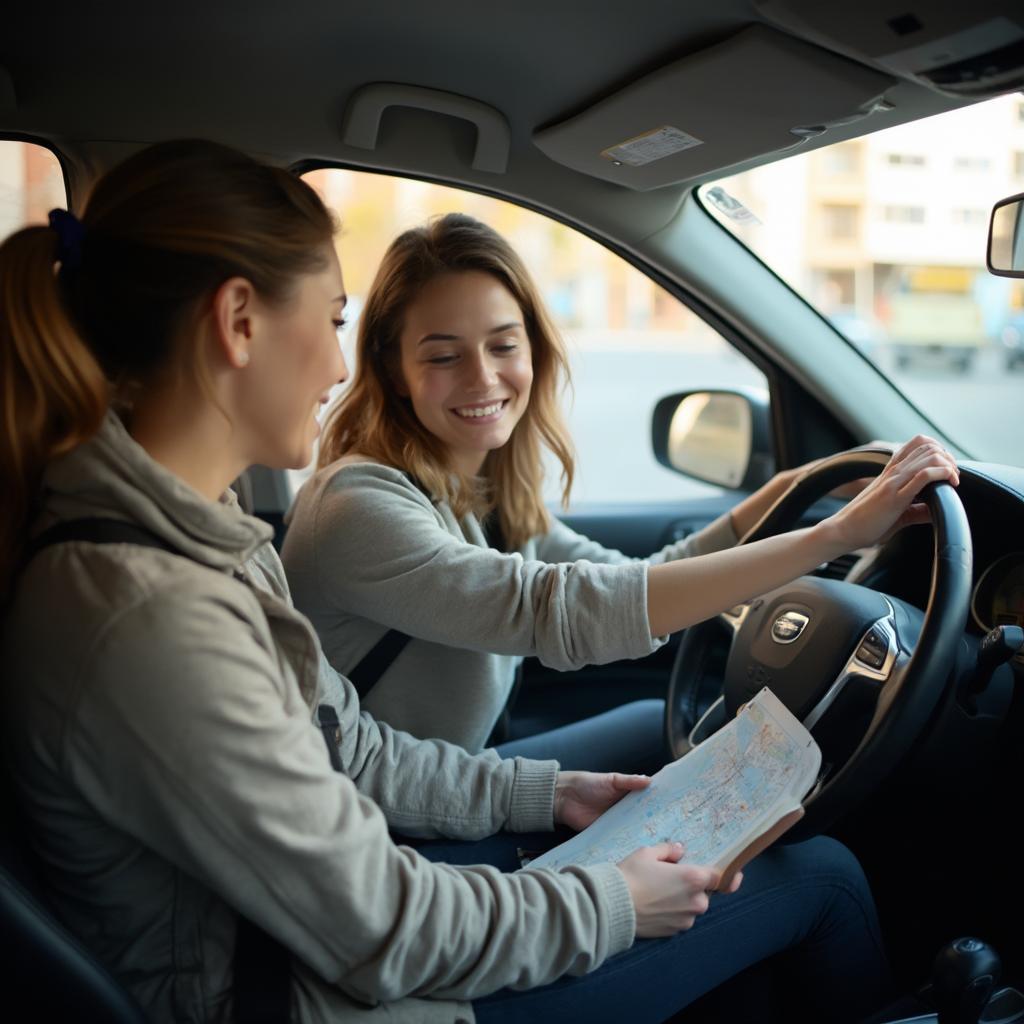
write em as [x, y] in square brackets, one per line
[374, 420]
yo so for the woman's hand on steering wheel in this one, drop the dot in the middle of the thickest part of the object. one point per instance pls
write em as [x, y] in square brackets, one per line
[887, 503]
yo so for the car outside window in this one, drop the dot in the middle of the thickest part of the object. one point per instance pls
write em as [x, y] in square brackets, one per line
[886, 236]
[630, 341]
[31, 184]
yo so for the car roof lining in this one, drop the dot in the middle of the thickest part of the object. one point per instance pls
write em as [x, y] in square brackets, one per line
[276, 82]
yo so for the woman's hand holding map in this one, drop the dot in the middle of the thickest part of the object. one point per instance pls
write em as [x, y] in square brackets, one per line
[702, 817]
[582, 797]
[668, 895]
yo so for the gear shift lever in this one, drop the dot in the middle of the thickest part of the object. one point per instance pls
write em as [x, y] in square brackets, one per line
[964, 976]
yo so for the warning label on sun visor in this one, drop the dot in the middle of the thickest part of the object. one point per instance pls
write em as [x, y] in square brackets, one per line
[651, 146]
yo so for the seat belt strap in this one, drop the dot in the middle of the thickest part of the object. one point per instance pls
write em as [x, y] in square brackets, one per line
[371, 667]
[97, 531]
[365, 676]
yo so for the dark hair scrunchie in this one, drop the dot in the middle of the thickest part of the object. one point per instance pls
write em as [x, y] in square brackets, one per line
[70, 235]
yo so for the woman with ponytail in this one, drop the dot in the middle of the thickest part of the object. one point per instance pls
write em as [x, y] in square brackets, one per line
[165, 709]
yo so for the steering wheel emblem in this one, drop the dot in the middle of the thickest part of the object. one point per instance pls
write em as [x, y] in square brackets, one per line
[788, 627]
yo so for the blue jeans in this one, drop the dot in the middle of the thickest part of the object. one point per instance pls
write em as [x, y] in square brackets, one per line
[630, 738]
[804, 913]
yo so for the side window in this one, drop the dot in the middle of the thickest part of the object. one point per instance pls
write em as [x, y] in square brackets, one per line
[630, 342]
[31, 184]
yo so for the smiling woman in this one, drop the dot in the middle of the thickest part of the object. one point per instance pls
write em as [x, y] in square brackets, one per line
[470, 388]
[298, 345]
[454, 325]
[626, 336]
[422, 550]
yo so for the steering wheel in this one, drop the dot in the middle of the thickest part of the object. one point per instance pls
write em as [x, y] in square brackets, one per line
[862, 670]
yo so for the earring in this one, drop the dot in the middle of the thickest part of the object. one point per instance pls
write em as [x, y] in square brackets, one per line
[243, 358]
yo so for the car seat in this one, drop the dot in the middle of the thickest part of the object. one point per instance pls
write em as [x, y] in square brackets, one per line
[48, 974]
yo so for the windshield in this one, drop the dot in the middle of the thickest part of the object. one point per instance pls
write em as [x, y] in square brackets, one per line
[886, 236]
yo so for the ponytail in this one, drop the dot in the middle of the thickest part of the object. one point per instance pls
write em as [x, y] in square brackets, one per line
[54, 394]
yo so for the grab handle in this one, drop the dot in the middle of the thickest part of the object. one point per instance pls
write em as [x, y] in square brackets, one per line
[366, 108]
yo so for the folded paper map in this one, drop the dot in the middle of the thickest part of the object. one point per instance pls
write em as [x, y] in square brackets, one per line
[725, 801]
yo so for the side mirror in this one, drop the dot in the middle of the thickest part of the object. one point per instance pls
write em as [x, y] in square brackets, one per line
[1006, 238]
[720, 437]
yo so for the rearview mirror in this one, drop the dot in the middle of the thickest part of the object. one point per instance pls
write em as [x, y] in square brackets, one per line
[720, 437]
[1006, 238]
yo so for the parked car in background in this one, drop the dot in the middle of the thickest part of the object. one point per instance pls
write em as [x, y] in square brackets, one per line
[935, 328]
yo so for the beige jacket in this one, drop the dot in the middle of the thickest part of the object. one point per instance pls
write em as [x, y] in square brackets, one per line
[162, 735]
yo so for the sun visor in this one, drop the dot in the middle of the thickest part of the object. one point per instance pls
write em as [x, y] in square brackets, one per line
[759, 92]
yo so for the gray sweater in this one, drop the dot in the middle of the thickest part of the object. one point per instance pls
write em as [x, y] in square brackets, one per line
[367, 551]
[160, 714]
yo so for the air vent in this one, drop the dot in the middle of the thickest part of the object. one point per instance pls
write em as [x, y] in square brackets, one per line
[839, 568]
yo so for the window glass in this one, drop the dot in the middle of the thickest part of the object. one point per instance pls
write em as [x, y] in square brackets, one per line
[844, 158]
[892, 251]
[839, 220]
[972, 163]
[31, 184]
[630, 342]
[903, 214]
[904, 159]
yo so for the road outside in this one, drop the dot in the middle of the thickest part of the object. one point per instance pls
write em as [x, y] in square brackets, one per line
[982, 409]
